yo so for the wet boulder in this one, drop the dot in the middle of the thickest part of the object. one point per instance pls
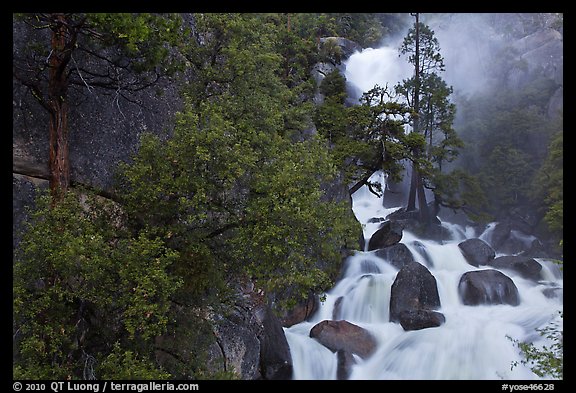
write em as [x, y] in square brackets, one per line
[343, 335]
[487, 287]
[398, 255]
[275, 357]
[420, 319]
[345, 361]
[414, 289]
[476, 251]
[500, 234]
[347, 47]
[421, 249]
[337, 310]
[526, 267]
[301, 311]
[387, 235]
[552, 292]
[369, 266]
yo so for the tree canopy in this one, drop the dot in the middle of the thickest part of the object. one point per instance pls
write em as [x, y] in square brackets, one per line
[235, 192]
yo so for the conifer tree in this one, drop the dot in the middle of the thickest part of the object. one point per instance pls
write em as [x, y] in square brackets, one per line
[118, 52]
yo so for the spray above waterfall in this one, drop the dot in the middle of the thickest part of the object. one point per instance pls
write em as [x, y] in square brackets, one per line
[376, 66]
[472, 45]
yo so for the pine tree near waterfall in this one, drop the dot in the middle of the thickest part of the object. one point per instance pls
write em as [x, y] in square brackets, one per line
[427, 94]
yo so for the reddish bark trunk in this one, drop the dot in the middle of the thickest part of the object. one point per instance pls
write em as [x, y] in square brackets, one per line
[59, 162]
[59, 165]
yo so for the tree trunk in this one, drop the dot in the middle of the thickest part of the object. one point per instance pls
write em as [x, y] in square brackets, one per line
[59, 165]
[59, 161]
[413, 187]
[415, 180]
[422, 204]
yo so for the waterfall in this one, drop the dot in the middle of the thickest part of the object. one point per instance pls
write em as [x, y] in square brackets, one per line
[376, 66]
[474, 342]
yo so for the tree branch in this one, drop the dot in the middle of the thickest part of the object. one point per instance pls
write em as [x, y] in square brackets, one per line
[80, 75]
[35, 90]
[223, 229]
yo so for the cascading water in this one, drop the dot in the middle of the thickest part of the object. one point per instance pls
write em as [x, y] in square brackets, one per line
[475, 342]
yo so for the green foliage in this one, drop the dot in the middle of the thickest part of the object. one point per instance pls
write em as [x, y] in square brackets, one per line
[549, 183]
[238, 200]
[330, 118]
[230, 194]
[239, 62]
[546, 361]
[430, 60]
[290, 227]
[458, 189]
[331, 52]
[334, 86]
[102, 291]
[124, 364]
[365, 29]
[375, 137]
[142, 35]
[131, 42]
[507, 136]
[80, 282]
[231, 190]
[504, 176]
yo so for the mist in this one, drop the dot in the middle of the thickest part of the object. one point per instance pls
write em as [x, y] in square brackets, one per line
[480, 51]
[467, 43]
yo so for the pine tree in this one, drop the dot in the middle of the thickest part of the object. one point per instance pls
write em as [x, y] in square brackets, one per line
[120, 52]
[427, 94]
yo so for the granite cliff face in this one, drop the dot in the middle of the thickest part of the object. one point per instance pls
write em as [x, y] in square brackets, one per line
[104, 127]
[502, 51]
[541, 54]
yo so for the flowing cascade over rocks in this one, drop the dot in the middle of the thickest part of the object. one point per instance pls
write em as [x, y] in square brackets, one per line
[426, 309]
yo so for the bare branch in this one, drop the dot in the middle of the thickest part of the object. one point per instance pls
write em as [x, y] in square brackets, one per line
[118, 103]
[92, 33]
[35, 90]
[80, 75]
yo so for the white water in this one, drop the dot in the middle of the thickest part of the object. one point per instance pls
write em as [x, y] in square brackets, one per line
[377, 66]
[475, 342]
